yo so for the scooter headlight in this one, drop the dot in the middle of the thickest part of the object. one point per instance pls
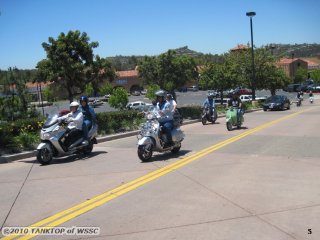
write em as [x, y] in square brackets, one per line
[149, 116]
[45, 136]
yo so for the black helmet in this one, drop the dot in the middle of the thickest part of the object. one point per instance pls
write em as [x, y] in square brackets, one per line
[169, 95]
[84, 99]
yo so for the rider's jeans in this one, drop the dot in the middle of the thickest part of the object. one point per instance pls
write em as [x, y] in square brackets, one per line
[85, 128]
[167, 127]
[239, 114]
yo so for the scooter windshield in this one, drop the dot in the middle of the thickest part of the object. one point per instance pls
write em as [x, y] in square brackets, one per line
[51, 120]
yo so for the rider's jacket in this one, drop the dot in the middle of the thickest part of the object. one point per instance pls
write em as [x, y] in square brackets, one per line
[76, 119]
[234, 102]
[165, 108]
[88, 113]
[209, 103]
[173, 104]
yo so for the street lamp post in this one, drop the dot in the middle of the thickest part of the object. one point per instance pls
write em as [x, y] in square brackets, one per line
[252, 14]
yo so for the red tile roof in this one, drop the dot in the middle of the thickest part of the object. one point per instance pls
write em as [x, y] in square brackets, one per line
[311, 63]
[34, 85]
[239, 47]
[130, 73]
[287, 60]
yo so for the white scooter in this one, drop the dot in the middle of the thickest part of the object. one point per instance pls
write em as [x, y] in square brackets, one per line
[54, 141]
[151, 138]
[311, 99]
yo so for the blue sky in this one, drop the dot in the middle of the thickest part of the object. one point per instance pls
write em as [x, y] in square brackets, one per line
[151, 27]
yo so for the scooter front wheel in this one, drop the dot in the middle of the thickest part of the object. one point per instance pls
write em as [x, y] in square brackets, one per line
[229, 126]
[204, 121]
[44, 156]
[145, 152]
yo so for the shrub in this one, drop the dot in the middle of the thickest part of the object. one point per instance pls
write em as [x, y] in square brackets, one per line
[190, 111]
[119, 98]
[26, 140]
[10, 132]
[110, 122]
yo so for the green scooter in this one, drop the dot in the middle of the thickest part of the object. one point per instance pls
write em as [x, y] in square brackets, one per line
[231, 118]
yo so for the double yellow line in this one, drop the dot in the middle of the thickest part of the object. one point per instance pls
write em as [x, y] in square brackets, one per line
[86, 206]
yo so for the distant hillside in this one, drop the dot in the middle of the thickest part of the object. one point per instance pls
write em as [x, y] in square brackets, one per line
[305, 50]
[299, 50]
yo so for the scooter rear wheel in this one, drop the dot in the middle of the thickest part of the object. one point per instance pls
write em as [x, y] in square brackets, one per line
[88, 149]
[145, 152]
[176, 149]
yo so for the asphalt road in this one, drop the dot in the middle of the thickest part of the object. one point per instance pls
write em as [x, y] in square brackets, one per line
[183, 99]
[259, 182]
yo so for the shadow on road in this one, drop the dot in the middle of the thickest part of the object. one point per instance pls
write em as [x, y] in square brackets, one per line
[167, 156]
[68, 159]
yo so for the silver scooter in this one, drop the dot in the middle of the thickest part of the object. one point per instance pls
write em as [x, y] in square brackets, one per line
[151, 138]
[54, 142]
[207, 116]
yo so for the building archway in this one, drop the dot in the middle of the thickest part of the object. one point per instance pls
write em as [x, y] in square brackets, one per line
[134, 88]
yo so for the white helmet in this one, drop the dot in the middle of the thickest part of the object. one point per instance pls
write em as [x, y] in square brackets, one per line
[74, 104]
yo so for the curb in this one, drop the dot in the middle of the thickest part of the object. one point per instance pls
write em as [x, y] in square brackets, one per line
[19, 156]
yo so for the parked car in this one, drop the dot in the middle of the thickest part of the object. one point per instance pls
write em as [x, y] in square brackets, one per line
[314, 88]
[291, 88]
[96, 103]
[303, 87]
[135, 93]
[215, 93]
[138, 105]
[276, 102]
[182, 89]
[144, 92]
[239, 91]
[246, 98]
[193, 88]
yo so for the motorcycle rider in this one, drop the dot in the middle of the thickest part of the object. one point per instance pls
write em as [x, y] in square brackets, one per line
[166, 120]
[172, 102]
[89, 117]
[311, 96]
[235, 102]
[210, 103]
[75, 122]
[299, 96]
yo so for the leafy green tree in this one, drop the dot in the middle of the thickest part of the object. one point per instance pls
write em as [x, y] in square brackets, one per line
[217, 77]
[88, 90]
[119, 98]
[274, 78]
[71, 63]
[105, 89]
[315, 75]
[15, 87]
[301, 75]
[168, 70]
[267, 75]
[48, 94]
[151, 90]
[100, 71]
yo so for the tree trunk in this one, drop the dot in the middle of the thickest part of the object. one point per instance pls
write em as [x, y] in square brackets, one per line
[70, 95]
[221, 97]
[273, 91]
